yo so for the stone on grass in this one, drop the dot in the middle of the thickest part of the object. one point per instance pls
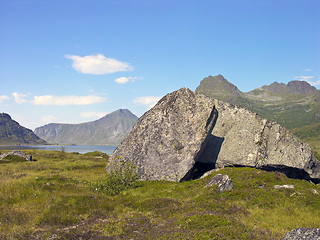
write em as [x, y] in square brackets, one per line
[223, 181]
[283, 186]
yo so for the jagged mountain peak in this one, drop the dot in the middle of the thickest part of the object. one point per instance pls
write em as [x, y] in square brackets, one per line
[277, 101]
[301, 87]
[295, 87]
[218, 85]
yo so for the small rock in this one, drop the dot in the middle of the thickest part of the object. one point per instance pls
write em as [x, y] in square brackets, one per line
[223, 181]
[303, 234]
[315, 191]
[283, 186]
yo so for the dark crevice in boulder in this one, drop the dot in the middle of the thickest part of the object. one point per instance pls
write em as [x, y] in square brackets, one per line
[197, 171]
[207, 156]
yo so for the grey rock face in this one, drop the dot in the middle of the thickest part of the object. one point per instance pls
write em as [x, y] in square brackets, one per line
[187, 134]
[303, 234]
[168, 138]
[223, 181]
[250, 140]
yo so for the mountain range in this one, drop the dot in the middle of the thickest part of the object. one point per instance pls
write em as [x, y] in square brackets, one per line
[293, 105]
[12, 133]
[108, 130]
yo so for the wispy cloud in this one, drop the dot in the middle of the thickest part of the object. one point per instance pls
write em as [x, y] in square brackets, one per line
[123, 80]
[67, 100]
[19, 97]
[304, 78]
[3, 98]
[93, 114]
[51, 100]
[98, 64]
[150, 101]
[316, 83]
[315, 79]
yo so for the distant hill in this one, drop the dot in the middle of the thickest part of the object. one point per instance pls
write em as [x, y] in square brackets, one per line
[12, 133]
[293, 105]
[109, 130]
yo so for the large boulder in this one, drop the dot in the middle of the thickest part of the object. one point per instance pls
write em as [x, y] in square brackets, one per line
[187, 134]
[168, 138]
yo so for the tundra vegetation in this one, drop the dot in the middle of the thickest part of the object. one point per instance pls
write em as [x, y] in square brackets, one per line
[67, 196]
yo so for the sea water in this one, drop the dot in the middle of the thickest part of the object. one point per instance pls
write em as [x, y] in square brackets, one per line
[67, 148]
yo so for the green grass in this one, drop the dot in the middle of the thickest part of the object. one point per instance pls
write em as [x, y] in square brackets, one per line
[54, 197]
[311, 135]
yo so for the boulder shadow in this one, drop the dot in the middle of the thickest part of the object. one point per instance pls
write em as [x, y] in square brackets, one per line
[206, 158]
[290, 172]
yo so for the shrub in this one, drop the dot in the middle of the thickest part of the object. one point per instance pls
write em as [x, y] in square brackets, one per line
[120, 176]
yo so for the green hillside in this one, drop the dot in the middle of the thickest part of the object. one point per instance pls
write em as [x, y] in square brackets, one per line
[293, 105]
[59, 196]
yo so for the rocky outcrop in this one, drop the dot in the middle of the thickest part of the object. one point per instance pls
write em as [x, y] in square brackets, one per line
[303, 233]
[187, 134]
[16, 153]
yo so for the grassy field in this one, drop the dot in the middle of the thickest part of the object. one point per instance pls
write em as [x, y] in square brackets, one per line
[59, 197]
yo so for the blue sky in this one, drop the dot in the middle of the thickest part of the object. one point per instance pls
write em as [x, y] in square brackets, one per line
[75, 61]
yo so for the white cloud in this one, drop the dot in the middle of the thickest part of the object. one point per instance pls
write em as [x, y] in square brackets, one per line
[93, 114]
[304, 78]
[3, 98]
[51, 100]
[150, 101]
[123, 80]
[98, 64]
[19, 97]
[317, 83]
[315, 78]
[66, 100]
